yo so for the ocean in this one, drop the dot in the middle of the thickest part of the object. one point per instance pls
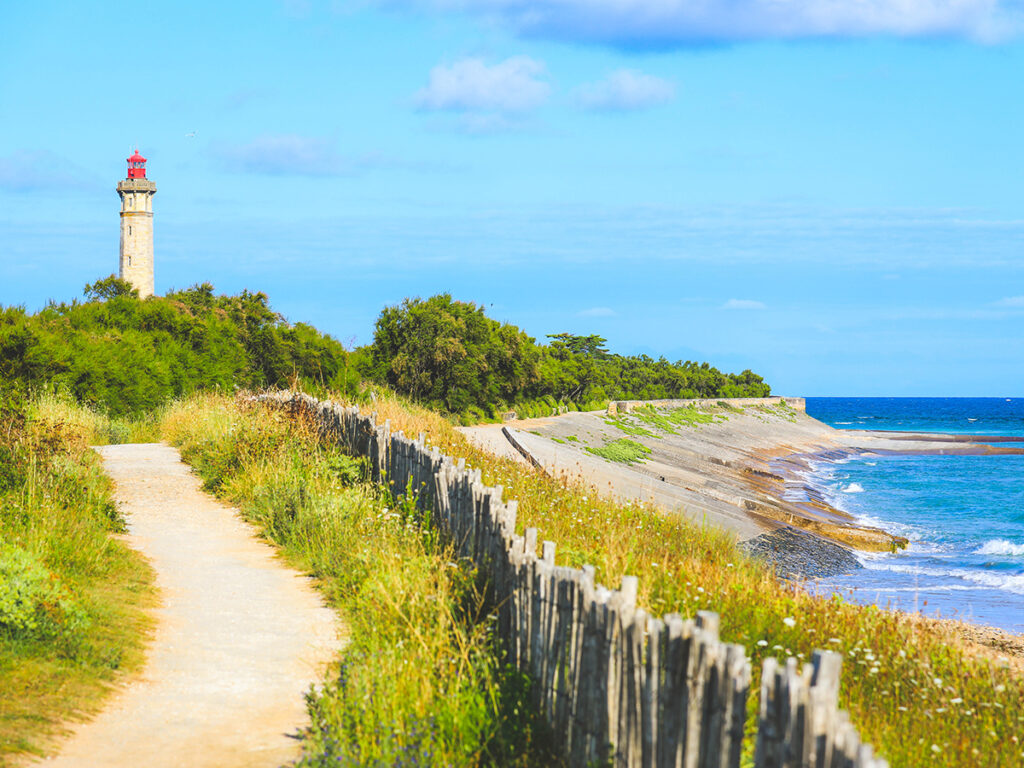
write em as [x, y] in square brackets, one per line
[964, 515]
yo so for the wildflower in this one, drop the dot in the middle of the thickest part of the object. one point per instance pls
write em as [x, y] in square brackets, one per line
[789, 621]
[762, 643]
[937, 681]
[936, 748]
[834, 640]
[957, 700]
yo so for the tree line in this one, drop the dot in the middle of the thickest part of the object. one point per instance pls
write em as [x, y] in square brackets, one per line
[451, 356]
[125, 355]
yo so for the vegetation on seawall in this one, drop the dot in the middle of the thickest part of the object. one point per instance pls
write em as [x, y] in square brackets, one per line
[72, 597]
[124, 356]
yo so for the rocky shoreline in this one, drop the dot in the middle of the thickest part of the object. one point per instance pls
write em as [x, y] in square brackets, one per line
[739, 465]
[744, 470]
[800, 556]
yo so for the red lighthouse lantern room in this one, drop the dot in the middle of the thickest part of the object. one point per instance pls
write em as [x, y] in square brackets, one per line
[136, 166]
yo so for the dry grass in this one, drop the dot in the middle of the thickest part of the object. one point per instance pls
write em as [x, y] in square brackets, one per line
[57, 515]
[916, 690]
[419, 683]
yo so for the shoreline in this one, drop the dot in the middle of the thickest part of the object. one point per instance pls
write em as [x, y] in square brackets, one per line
[746, 472]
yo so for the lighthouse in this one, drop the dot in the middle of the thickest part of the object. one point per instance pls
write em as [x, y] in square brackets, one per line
[136, 192]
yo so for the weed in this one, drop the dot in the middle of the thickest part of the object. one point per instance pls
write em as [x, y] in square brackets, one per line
[622, 450]
[630, 428]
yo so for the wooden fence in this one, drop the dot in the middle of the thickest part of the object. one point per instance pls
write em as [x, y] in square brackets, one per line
[619, 687]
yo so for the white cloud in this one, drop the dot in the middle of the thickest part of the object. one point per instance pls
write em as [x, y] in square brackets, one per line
[287, 154]
[669, 23]
[626, 89]
[295, 155]
[29, 170]
[1013, 302]
[514, 85]
[597, 312]
[743, 304]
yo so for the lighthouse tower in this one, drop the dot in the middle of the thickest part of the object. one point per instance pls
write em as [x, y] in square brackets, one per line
[136, 193]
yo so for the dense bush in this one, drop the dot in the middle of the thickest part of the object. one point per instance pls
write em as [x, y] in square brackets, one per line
[450, 355]
[126, 356]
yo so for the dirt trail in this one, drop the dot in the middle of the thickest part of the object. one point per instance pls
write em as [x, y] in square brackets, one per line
[239, 636]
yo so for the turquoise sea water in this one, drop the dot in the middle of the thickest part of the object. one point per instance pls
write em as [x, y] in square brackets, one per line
[964, 515]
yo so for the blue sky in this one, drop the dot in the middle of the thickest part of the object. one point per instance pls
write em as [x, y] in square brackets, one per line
[826, 192]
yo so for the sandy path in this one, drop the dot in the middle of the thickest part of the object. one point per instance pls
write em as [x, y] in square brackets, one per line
[239, 636]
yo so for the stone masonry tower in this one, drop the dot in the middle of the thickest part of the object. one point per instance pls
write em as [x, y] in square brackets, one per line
[136, 193]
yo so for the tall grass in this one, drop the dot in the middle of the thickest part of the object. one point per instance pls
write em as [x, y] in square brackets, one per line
[419, 682]
[915, 689]
[72, 597]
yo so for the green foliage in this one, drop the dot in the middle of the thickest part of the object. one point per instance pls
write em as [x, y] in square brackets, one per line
[126, 356]
[667, 420]
[630, 428]
[622, 450]
[110, 288]
[449, 355]
[33, 602]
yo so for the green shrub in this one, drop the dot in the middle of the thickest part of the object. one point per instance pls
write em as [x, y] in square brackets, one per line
[623, 451]
[33, 602]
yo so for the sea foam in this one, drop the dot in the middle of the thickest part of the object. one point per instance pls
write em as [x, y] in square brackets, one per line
[854, 488]
[1000, 547]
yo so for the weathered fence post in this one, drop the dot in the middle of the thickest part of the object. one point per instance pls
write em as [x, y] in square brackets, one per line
[615, 684]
